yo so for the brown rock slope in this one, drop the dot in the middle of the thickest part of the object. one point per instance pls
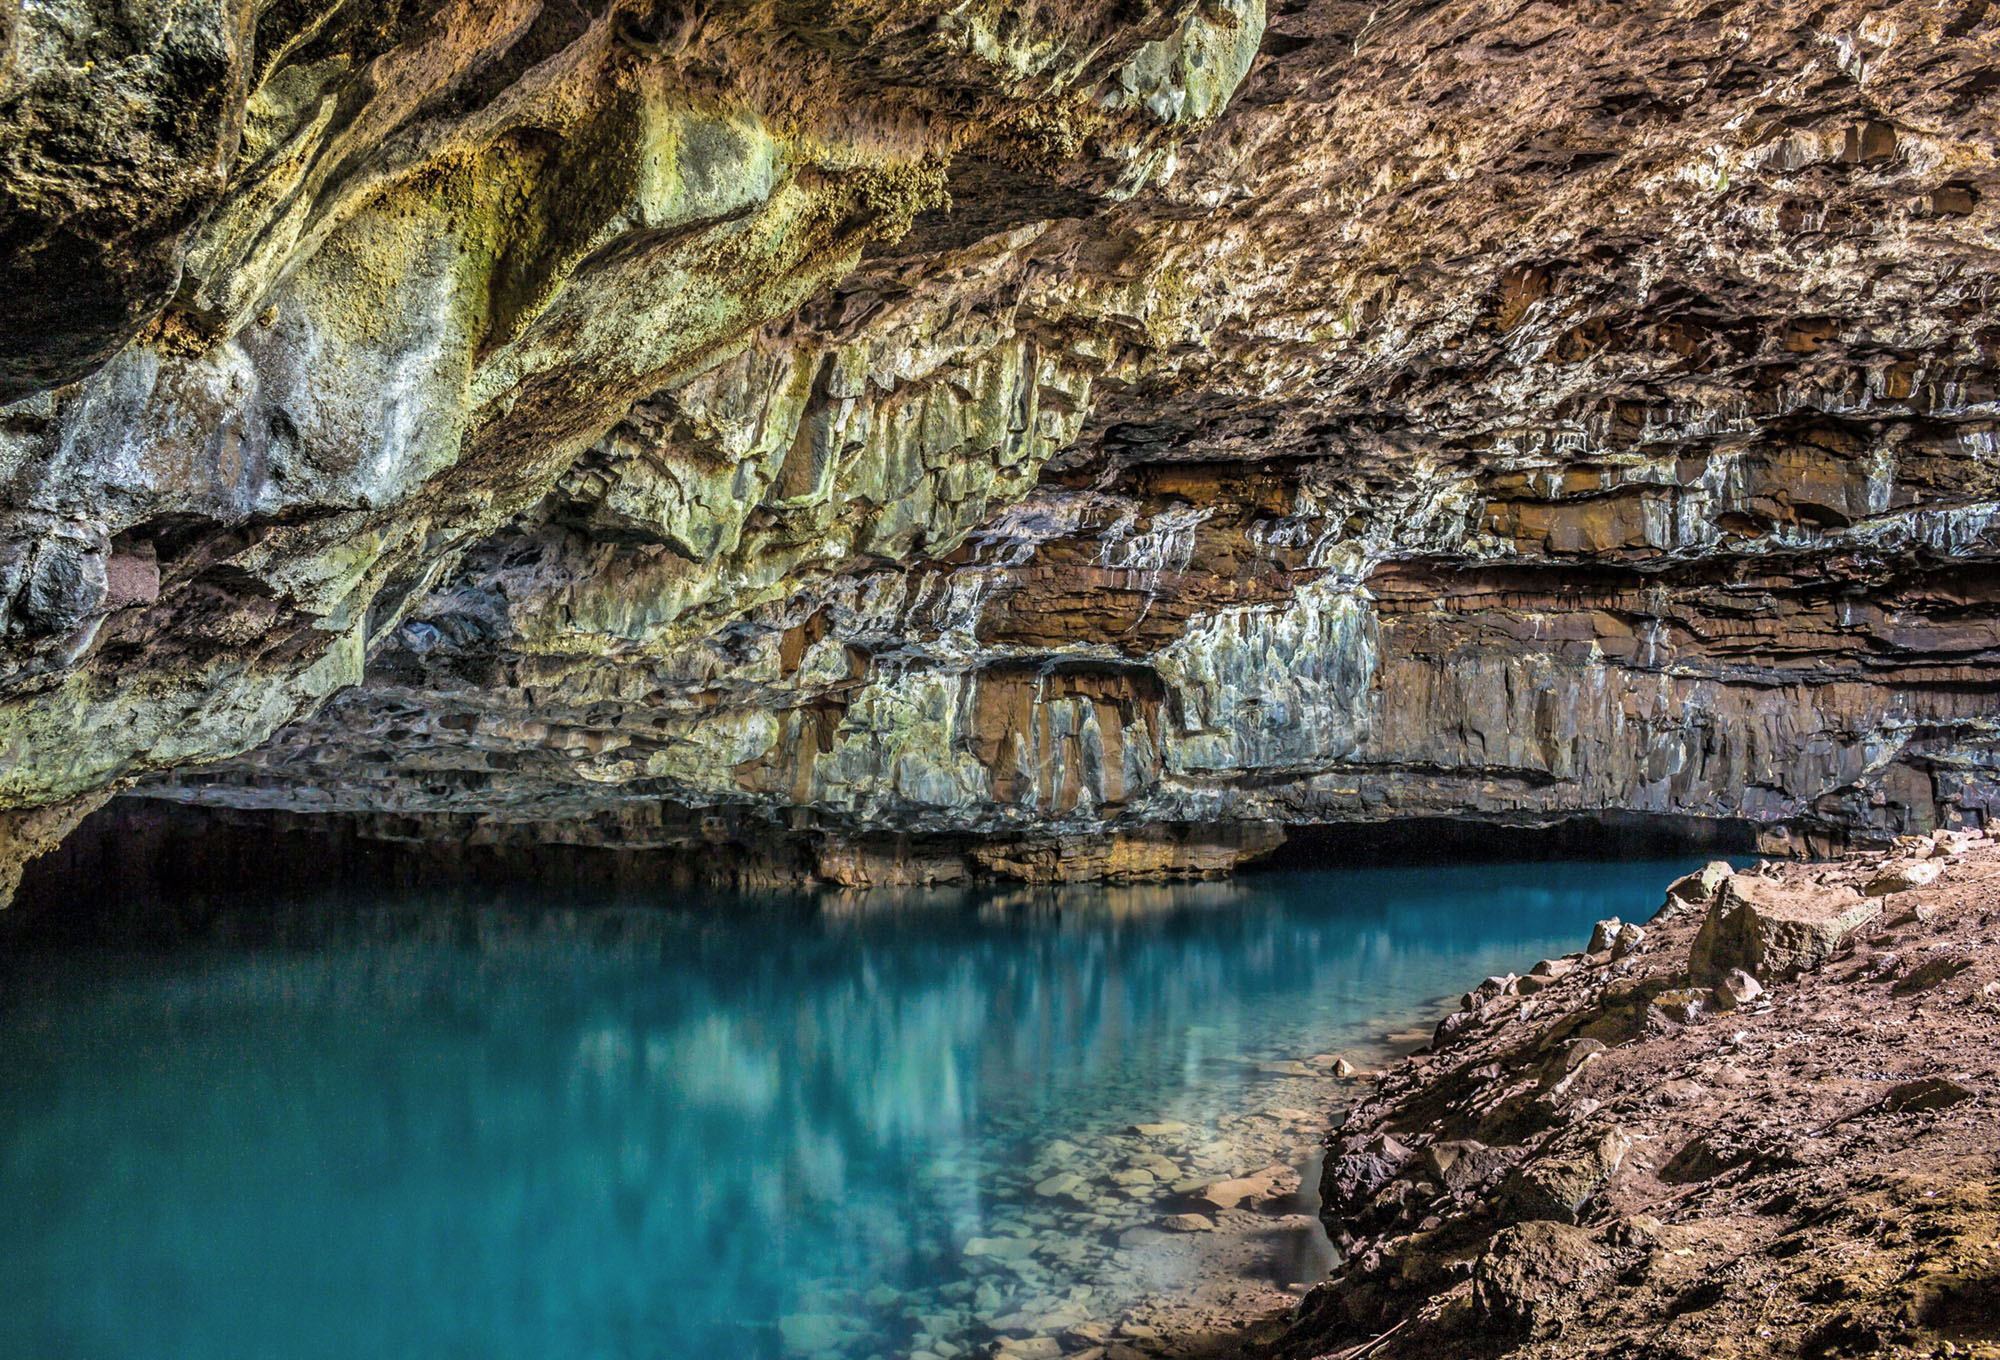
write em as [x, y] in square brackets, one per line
[1792, 1153]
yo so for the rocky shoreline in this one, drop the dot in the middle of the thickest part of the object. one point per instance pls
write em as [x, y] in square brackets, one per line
[1759, 1124]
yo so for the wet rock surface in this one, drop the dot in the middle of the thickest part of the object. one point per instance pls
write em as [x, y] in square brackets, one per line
[1580, 1169]
[1030, 428]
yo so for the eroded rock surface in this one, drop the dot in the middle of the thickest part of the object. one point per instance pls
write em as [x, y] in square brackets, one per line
[1049, 428]
[1584, 1169]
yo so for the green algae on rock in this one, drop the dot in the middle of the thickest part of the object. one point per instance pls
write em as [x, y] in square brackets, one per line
[945, 422]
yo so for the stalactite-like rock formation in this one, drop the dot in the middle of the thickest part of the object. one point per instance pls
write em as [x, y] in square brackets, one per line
[1057, 442]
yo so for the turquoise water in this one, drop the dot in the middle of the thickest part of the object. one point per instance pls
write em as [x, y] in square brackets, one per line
[497, 1129]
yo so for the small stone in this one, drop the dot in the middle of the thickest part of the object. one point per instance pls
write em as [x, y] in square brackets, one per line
[1188, 1223]
[1568, 1056]
[1063, 1183]
[1438, 1158]
[1163, 1129]
[1603, 935]
[1925, 1093]
[1001, 1248]
[1553, 969]
[1287, 1068]
[1029, 1348]
[1683, 1005]
[810, 1333]
[1344, 1069]
[1737, 988]
[1629, 940]
[1230, 1193]
[1933, 972]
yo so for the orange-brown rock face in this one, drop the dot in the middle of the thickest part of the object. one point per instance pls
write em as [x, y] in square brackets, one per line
[1512, 413]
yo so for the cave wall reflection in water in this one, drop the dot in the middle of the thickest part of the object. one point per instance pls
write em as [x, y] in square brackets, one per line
[513, 1128]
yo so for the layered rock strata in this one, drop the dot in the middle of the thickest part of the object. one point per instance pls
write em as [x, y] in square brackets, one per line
[1052, 428]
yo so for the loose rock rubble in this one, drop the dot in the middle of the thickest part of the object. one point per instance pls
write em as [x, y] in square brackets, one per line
[1765, 1126]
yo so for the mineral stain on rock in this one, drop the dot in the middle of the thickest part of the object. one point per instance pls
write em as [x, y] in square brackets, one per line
[939, 442]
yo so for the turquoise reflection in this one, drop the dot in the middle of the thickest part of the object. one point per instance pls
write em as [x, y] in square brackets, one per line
[497, 1129]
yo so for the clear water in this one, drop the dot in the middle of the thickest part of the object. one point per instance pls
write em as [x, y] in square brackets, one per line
[509, 1130]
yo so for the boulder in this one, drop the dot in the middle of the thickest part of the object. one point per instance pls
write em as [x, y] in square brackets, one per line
[1560, 1184]
[1466, 1165]
[1772, 929]
[1697, 889]
[1603, 935]
[1534, 1274]
[1903, 876]
[1630, 939]
[1352, 1178]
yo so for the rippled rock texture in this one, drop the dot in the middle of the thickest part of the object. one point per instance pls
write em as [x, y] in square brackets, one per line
[1056, 442]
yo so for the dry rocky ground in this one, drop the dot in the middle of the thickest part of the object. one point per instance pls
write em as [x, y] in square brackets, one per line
[1761, 1124]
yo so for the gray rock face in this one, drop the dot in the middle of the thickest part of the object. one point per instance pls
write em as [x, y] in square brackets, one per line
[539, 414]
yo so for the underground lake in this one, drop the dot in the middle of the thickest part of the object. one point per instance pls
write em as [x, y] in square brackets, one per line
[509, 1125]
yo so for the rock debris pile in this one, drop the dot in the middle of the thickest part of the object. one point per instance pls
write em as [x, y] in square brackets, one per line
[1766, 1126]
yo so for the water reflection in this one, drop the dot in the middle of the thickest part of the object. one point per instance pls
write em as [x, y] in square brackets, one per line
[501, 1128]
